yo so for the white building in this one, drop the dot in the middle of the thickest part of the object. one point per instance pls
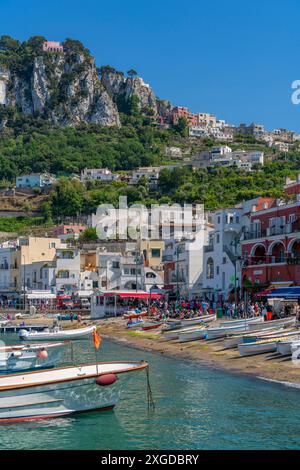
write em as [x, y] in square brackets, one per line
[151, 173]
[98, 174]
[68, 274]
[219, 152]
[198, 131]
[35, 180]
[220, 255]
[183, 263]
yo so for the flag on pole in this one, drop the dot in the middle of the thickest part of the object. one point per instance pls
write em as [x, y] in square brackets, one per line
[96, 339]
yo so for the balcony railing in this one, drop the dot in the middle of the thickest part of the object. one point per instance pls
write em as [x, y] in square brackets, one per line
[273, 231]
[293, 260]
[209, 248]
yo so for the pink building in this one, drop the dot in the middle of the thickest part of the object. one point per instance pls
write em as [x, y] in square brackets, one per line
[68, 231]
[52, 46]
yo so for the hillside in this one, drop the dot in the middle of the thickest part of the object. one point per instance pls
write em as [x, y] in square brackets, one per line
[60, 113]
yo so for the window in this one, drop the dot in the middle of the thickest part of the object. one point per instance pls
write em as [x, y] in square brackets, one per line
[218, 238]
[210, 269]
[292, 218]
[218, 270]
[115, 264]
[150, 276]
[155, 252]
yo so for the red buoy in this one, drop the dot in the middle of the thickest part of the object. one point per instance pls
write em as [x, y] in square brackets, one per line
[107, 379]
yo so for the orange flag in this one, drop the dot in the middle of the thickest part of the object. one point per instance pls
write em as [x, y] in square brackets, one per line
[96, 339]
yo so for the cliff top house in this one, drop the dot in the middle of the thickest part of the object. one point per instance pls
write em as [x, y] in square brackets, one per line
[52, 46]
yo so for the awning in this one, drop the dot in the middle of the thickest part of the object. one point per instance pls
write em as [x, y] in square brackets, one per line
[41, 296]
[286, 293]
[84, 293]
[263, 293]
[134, 295]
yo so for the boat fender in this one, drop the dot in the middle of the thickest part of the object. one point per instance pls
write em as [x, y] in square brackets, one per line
[42, 354]
[107, 379]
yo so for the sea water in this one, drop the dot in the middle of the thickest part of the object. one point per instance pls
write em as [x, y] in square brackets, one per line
[196, 408]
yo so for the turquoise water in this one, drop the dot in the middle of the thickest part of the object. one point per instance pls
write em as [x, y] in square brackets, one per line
[196, 407]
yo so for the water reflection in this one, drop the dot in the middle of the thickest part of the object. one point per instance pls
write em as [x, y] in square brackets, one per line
[195, 408]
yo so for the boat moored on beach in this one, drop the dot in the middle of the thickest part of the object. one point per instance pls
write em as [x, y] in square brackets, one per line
[265, 345]
[63, 391]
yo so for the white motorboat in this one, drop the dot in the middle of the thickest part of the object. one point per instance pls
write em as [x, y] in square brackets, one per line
[25, 357]
[63, 391]
[287, 347]
[3, 323]
[221, 331]
[197, 320]
[268, 324]
[234, 340]
[192, 334]
[243, 321]
[57, 335]
[265, 345]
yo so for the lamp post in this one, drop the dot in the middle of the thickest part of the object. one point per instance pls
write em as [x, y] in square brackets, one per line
[137, 261]
[235, 244]
[24, 283]
[177, 273]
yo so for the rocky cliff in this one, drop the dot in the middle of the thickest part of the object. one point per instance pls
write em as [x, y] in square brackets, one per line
[64, 86]
[120, 86]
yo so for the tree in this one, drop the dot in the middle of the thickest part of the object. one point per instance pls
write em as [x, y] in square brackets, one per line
[89, 235]
[67, 198]
[181, 127]
[132, 73]
[7, 43]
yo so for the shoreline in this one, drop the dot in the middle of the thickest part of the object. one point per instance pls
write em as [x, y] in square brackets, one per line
[211, 354]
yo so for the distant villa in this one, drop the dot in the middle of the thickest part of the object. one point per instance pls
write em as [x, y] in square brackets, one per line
[52, 46]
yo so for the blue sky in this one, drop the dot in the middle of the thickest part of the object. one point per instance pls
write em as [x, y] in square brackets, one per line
[231, 58]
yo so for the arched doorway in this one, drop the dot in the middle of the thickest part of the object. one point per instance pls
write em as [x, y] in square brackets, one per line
[259, 255]
[277, 252]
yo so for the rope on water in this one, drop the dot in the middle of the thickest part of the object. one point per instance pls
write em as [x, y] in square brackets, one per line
[151, 404]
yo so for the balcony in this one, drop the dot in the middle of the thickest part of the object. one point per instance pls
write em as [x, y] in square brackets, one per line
[273, 231]
[295, 260]
[209, 248]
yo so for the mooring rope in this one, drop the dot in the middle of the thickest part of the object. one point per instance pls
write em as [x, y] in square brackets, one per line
[151, 404]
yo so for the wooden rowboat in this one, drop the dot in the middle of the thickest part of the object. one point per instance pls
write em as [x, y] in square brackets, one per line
[151, 326]
[63, 391]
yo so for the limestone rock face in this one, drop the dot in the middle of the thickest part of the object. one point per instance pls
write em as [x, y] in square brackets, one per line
[65, 89]
[118, 85]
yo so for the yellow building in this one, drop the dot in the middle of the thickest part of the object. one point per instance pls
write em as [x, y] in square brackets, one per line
[29, 257]
[152, 251]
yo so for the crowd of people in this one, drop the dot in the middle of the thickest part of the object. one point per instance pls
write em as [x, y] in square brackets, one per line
[194, 308]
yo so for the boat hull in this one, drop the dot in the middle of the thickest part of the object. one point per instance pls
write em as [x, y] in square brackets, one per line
[191, 336]
[196, 321]
[51, 400]
[61, 335]
[251, 349]
[284, 348]
[214, 333]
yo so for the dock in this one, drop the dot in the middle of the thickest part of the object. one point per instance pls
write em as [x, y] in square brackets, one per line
[16, 328]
